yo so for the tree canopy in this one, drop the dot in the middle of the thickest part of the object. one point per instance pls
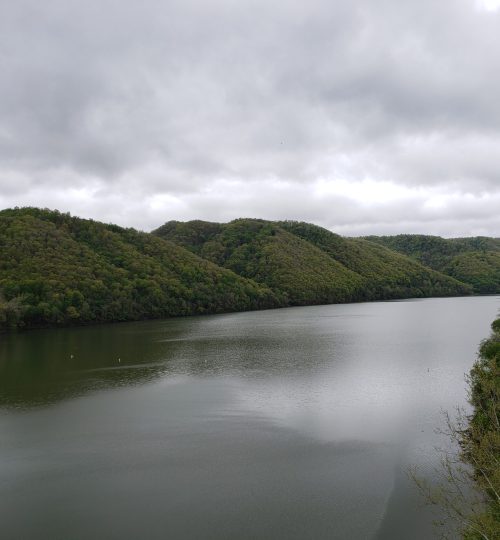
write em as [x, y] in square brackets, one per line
[57, 269]
[475, 260]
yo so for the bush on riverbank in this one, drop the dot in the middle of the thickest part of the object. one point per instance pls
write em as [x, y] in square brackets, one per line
[466, 487]
[480, 442]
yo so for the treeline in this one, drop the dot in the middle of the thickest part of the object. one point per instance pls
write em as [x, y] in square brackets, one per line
[475, 261]
[56, 269]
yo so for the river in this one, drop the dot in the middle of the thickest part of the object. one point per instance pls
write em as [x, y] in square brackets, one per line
[296, 423]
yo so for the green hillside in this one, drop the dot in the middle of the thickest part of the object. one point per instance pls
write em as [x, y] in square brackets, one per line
[58, 269]
[308, 263]
[475, 260]
[387, 274]
[297, 271]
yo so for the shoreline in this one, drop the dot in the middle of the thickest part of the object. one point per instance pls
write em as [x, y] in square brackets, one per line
[9, 331]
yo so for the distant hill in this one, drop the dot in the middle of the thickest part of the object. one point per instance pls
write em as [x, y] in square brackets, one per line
[475, 260]
[57, 269]
[296, 270]
[387, 274]
[308, 264]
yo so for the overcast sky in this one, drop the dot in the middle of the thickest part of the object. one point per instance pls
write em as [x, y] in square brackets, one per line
[365, 116]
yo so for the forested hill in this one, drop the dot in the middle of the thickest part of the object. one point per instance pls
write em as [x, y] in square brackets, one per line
[266, 253]
[309, 264]
[57, 269]
[386, 273]
[475, 261]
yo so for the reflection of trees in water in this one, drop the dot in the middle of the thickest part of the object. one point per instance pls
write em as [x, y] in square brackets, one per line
[43, 367]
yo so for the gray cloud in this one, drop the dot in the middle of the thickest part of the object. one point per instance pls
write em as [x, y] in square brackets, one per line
[142, 112]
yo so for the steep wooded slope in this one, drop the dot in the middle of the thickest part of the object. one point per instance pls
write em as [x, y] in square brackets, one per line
[296, 270]
[387, 273]
[308, 263]
[58, 269]
[475, 260]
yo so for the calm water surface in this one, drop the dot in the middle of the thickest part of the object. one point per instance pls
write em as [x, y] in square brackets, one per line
[282, 424]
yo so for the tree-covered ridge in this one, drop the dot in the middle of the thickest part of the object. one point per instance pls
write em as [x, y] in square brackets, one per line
[193, 235]
[309, 264]
[479, 269]
[475, 261]
[386, 273]
[296, 270]
[58, 269]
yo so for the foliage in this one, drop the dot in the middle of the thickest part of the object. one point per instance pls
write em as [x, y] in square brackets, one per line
[57, 269]
[468, 490]
[475, 261]
[481, 441]
[297, 271]
[386, 274]
[306, 264]
[480, 269]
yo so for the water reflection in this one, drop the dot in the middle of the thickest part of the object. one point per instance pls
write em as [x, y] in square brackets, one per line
[42, 367]
[294, 423]
[371, 359]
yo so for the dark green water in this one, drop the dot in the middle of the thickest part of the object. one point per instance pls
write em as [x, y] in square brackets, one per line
[283, 424]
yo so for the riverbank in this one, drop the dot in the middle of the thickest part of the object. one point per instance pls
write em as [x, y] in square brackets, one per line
[481, 441]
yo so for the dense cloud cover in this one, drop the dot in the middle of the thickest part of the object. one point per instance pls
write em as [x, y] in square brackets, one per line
[365, 117]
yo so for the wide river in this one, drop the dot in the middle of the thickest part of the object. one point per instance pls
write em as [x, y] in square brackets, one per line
[281, 424]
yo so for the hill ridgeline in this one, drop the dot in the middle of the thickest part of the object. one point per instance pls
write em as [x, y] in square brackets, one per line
[475, 261]
[56, 269]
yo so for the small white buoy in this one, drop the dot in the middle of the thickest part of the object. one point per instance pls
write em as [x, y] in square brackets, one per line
[119, 360]
[71, 356]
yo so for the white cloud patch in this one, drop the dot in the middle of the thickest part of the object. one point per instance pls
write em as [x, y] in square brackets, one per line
[489, 5]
